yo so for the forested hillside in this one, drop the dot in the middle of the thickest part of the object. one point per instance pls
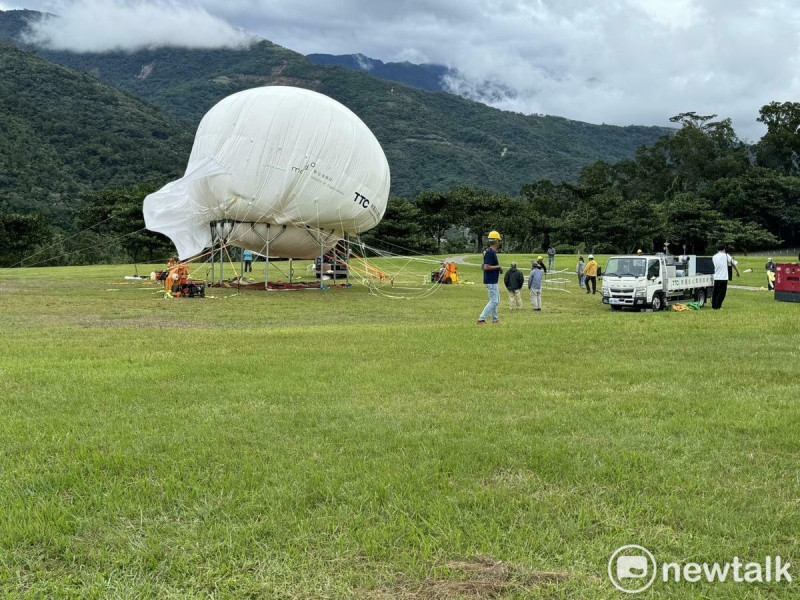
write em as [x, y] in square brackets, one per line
[432, 140]
[63, 133]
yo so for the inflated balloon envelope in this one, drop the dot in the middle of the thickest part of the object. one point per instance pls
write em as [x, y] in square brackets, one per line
[277, 169]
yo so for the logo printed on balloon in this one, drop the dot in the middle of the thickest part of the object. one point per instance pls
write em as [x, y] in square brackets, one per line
[362, 200]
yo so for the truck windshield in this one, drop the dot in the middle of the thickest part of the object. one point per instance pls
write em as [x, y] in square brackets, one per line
[626, 267]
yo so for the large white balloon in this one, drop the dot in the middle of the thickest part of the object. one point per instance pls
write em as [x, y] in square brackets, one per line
[274, 164]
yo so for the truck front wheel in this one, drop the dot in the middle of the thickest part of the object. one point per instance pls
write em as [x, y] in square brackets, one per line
[658, 302]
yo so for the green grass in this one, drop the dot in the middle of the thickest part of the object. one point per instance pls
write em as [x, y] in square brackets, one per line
[345, 445]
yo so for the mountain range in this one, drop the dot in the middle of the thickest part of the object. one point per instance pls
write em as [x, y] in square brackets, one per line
[428, 77]
[433, 141]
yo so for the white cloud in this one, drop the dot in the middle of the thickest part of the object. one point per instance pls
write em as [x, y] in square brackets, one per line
[618, 61]
[103, 25]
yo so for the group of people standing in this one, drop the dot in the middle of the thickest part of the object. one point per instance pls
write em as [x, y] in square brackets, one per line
[724, 267]
[514, 279]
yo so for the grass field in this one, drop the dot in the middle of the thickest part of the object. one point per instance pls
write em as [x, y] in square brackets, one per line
[345, 445]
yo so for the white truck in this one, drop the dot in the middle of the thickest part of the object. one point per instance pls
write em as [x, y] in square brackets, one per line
[656, 280]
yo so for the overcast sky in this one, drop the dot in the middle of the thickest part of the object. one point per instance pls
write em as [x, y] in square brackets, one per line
[617, 61]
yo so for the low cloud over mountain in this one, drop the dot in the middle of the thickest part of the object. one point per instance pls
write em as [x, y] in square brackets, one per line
[621, 62]
[102, 25]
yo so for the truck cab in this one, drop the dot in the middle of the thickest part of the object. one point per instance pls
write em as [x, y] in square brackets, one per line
[653, 281]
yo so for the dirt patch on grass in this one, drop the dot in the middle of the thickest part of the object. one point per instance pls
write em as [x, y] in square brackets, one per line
[477, 578]
[512, 478]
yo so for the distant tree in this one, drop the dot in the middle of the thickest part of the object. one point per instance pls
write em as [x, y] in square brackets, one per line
[691, 119]
[481, 212]
[689, 218]
[118, 215]
[20, 236]
[762, 196]
[739, 236]
[703, 151]
[548, 206]
[400, 230]
[439, 212]
[779, 149]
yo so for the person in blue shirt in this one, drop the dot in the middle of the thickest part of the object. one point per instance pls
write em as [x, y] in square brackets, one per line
[491, 277]
[248, 261]
[535, 286]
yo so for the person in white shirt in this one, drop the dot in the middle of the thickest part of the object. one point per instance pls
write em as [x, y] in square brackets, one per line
[721, 263]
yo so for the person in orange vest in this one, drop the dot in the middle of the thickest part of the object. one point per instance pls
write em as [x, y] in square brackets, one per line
[178, 276]
[452, 272]
[590, 274]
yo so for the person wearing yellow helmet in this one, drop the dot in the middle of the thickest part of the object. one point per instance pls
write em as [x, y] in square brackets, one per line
[491, 278]
[540, 261]
[639, 252]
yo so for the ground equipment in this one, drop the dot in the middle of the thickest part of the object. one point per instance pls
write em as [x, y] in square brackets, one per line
[656, 280]
[447, 273]
[787, 282]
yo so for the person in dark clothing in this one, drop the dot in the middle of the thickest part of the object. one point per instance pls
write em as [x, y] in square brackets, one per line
[722, 267]
[514, 280]
[491, 275]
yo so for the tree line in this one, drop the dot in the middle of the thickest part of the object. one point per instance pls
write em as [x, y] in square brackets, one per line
[699, 186]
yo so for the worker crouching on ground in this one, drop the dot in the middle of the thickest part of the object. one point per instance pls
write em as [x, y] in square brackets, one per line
[770, 274]
[178, 276]
[590, 275]
[535, 286]
[491, 276]
[514, 281]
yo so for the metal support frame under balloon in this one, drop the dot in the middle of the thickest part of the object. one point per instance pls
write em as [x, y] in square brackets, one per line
[322, 242]
[222, 230]
[267, 239]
